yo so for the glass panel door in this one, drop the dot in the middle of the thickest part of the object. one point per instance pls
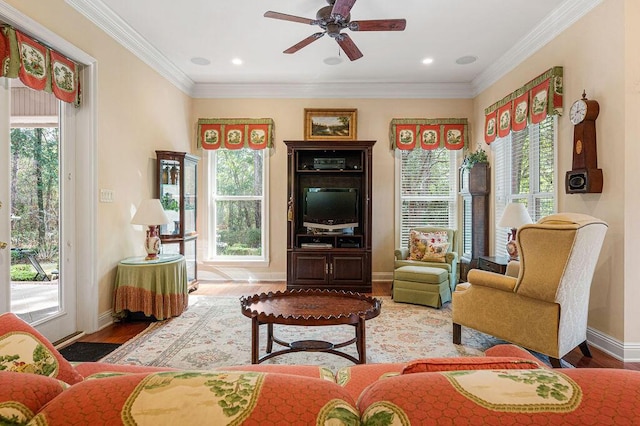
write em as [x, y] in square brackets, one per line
[34, 165]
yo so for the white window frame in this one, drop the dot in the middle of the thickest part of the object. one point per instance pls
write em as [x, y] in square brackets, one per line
[501, 150]
[451, 198]
[262, 260]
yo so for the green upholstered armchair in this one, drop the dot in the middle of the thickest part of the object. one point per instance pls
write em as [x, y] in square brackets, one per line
[542, 302]
[423, 282]
[451, 257]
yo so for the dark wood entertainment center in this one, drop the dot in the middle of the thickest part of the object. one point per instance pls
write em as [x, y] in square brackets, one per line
[329, 258]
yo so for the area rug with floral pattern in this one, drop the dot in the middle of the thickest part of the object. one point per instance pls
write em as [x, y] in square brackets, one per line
[213, 332]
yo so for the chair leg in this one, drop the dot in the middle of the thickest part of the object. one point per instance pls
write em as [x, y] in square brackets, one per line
[555, 362]
[457, 334]
[584, 348]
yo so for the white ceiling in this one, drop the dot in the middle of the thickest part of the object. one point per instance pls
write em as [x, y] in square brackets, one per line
[167, 34]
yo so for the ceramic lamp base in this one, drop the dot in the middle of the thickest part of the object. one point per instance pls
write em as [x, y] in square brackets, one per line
[152, 243]
[512, 250]
[512, 247]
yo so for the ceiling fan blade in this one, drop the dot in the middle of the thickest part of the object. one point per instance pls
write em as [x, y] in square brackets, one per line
[348, 47]
[342, 8]
[378, 25]
[307, 41]
[292, 18]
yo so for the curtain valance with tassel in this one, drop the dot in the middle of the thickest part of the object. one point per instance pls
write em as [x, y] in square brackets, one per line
[428, 133]
[38, 66]
[235, 133]
[531, 103]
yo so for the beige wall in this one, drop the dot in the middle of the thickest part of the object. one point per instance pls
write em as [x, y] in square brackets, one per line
[374, 116]
[138, 112]
[592, 54]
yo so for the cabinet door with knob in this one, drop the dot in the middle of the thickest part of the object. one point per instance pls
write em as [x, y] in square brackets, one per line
[344, 271]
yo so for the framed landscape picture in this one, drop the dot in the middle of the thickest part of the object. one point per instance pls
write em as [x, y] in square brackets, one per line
[330, 124]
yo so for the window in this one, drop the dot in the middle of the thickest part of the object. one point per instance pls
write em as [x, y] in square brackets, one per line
[427, 189]
[525, 167]
[239, 205]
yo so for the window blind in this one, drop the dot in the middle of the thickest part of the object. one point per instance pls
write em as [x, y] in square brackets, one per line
[524, 167]
[427, 190]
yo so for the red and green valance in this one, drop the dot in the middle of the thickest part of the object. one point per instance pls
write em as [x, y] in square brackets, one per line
[531, 103]
[235, 133]
[428, 133]
[38, 66]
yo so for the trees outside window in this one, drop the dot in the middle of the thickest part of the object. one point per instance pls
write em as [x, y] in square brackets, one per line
[35, 192]
[238, 179]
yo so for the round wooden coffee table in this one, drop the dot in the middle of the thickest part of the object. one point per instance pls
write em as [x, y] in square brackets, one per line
[313, 307]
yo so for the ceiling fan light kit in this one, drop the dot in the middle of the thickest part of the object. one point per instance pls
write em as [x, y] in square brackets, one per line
[335, 18]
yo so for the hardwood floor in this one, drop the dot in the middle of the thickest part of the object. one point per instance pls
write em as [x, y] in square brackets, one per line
[123, 331]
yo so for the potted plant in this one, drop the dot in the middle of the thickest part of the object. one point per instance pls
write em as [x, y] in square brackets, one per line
[471, 159]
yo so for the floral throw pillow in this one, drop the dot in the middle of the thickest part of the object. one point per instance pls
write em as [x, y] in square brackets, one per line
[428, 246]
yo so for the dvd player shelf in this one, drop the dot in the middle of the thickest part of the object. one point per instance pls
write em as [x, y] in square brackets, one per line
[329, 241]
[329, 185]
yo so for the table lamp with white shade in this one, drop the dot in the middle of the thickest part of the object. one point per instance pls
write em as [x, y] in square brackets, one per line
[151, 213]
[514, 216]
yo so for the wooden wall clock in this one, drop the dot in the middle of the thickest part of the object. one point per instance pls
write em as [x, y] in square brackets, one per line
[585, 176]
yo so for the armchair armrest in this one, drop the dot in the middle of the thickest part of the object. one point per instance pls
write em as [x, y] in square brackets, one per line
[401, 253]
[492, 280]
[513, 268]
[452, 258]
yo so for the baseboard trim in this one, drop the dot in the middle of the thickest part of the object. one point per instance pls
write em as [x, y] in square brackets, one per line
[625, 352]
[105, 319]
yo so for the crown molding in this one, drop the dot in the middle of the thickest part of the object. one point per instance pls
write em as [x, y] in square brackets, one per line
[354, 90]
[553, 25]
[120, 31]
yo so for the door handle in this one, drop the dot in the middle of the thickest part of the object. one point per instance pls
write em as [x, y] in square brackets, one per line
[3, 245]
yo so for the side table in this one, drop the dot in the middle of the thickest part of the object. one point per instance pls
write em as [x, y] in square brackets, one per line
[495, 264]
[155, 287]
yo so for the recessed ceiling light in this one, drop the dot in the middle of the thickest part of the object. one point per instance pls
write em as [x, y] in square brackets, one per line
[236, 61]
[332, 60]
[427, 61]
[200, 61]
[464, 60]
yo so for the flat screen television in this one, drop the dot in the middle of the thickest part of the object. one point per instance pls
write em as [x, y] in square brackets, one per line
[330, 208]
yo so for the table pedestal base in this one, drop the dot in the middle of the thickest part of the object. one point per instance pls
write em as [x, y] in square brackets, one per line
[306, 345]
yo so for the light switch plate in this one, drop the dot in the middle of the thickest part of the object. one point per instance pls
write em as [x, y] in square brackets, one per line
[106, 195]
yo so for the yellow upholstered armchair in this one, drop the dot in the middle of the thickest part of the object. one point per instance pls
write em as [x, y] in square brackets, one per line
[430, 280]
[542, 302]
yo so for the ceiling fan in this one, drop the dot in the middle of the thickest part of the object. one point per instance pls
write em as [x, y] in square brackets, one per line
[333, 19]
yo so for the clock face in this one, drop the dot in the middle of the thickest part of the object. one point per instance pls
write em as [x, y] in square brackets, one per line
[578, 111]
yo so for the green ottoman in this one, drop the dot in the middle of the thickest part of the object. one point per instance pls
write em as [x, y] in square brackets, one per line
[421, 285]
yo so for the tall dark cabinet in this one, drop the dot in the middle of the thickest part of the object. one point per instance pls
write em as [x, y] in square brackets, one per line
[329, 256]
[177, 174]
[474, 190]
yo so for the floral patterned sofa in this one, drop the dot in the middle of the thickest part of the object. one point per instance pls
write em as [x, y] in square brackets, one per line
[507, 386]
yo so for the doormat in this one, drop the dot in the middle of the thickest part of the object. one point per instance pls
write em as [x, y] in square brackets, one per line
[87, 351]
